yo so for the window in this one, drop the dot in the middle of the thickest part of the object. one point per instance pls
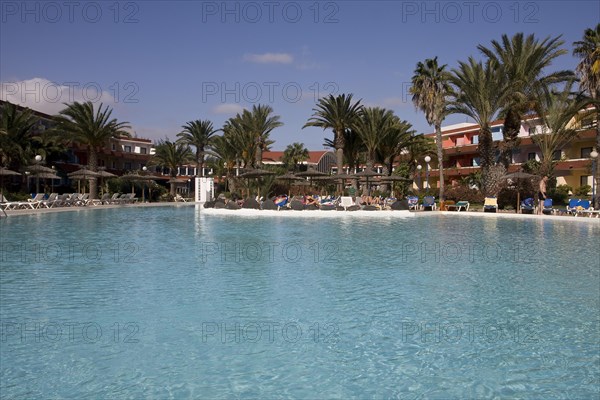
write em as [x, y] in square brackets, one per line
[557, 155]
[585, 180]
[114, 147]
[114, 165]
[531, 156]
[585, 152]
[476, 161]
[143, 150]
[497, 133]
[101, 163]
[127, 165]
[475, 139]
[128, 149]
[532, 131]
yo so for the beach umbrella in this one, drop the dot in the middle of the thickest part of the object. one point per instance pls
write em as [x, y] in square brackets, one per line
[81, 175]
[38, 169]
[5, 172]
[253, 174]
[289, 177]
[104, 174]
[139, 178]
[367, 173]
[516, 176]
[311, 173]
[394, 178]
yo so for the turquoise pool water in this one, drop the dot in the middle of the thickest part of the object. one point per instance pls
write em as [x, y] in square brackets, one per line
[170, 303]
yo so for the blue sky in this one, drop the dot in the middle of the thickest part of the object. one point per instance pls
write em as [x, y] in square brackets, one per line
[160, 64]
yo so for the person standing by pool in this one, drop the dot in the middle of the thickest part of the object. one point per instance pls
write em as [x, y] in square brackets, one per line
[542, 194]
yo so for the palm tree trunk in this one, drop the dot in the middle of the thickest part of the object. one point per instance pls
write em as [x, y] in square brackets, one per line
[199, 163]
[93, 165]
[596, 202]
[172, 187]
[440, 154]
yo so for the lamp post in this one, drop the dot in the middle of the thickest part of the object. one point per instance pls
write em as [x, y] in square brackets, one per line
[27, 173]
[38, 160]
[427, 160]
[419, 168]
[52, 191]
[144, 168]
[594, 155]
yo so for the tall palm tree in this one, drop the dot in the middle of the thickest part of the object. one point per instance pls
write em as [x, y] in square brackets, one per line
[523, 61]
[395, 143]
[294, 154]
[250, 131]
[91, 128]
[171, 155]
[480, 92]
[373, 125]
[16, 142]
[353, 147]
[225, 154]
[430, 91]
[235, 132]
[199, 134]
[259, 123]
[338, 114]
[588, 70]
[562, 115]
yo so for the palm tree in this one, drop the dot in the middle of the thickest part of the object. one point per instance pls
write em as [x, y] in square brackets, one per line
[373, 125]
[353, 147]
[480, 92]
[395, 143]
[338, 114]
[430, 89]
[225, 155]
[588, 70]
[93, 129]
[234, 130]
[250, 131]
[562, 115]
[16, 142]
[198, 133]
[294, 154]
[171, 155]
[259, 123]
[523, 61]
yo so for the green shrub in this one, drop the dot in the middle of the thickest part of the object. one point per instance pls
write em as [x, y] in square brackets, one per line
[559, 194]
[463, 193]
[582, 191]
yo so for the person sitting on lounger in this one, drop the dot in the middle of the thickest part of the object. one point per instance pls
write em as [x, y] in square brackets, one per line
[309, 200]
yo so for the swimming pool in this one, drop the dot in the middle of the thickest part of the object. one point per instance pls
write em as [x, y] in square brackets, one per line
[173, 303]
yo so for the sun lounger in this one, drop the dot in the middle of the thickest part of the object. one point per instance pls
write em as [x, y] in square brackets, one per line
[428, 203]
[46, 203]
[5, 204]
[490, 204]
[413, 202]
[103, 200]
[547, 207]
[37, 200]
[346, 202]
[572, 206]
[459, 206]
[528, 206]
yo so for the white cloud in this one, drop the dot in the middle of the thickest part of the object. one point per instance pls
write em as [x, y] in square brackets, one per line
[270, 58]
[227, 108]
[49, 97]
